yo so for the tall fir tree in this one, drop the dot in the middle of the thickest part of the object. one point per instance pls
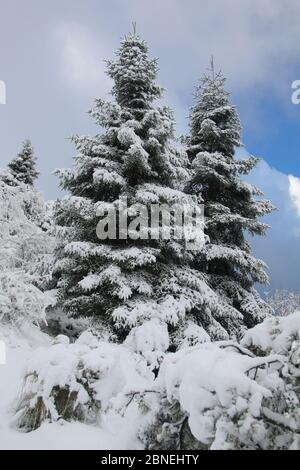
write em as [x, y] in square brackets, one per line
[23, 166]
[144, 288]
[232, 206]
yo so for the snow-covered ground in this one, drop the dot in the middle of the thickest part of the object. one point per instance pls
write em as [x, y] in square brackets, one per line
[232, 395]
[60, 435]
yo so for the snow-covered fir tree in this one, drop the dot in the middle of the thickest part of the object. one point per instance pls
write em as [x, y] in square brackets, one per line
[144, 288]
[232, 206]
[23, 166]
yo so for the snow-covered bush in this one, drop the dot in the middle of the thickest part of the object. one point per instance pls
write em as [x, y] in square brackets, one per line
[74, 381]
[219, 394]
[24, 246]
[21, 299]
[276, 334]
[21, 210]
[223, 396]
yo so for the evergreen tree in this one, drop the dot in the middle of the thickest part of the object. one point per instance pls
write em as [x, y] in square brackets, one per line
[231, 205]
[142, 287]
[23, 167]
[25, 252]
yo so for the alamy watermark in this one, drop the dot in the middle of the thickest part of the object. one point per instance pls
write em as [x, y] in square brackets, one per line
[152, 222]
[2, 353]
[2, 92]
[296, 94]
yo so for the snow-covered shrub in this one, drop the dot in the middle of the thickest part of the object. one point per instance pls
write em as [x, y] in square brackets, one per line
[215, 394]
[74, 381]
[276, 334]
[21, 299]
[223, 396]
[24, 245]
[19, 211]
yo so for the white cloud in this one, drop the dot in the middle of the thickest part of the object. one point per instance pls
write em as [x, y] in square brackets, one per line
[254, 41]
[280, 247]
[294, 192]
[251, 39]
[82, 58]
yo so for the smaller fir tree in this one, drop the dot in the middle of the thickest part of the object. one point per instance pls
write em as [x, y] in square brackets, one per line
[23, 167]
[232, 206]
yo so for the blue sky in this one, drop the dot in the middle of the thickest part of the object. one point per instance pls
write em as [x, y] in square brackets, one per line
[52, 60]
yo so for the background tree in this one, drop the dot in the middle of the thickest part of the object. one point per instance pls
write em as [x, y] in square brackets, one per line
[284, 302]
[25, 252]
[232, 206]
[23, 167]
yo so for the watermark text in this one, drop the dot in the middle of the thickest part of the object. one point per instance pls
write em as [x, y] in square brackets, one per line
[2, 92]
[152, 222]
[2, 353]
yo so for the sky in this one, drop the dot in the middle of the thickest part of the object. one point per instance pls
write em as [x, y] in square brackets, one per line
[52, 57]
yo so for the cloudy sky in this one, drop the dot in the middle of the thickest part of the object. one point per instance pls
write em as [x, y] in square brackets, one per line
[52, 61]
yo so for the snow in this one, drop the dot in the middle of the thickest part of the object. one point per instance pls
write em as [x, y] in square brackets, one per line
[127, 136]
[151, 340]
[275, 333]
[108, 177]
[215, 384]
[132, 256]
[207, 378]
[62, 435]
[194, 334]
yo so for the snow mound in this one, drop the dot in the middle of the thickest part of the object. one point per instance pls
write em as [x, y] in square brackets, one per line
[74, 381]
[275, 334]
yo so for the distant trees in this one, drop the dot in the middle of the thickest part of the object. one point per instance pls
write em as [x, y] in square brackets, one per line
[284, 302]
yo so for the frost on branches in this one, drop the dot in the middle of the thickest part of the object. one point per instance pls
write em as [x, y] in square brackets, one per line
[232, 206]
[284, 302]
[25, 248]
[135, 287]
[222, 395]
